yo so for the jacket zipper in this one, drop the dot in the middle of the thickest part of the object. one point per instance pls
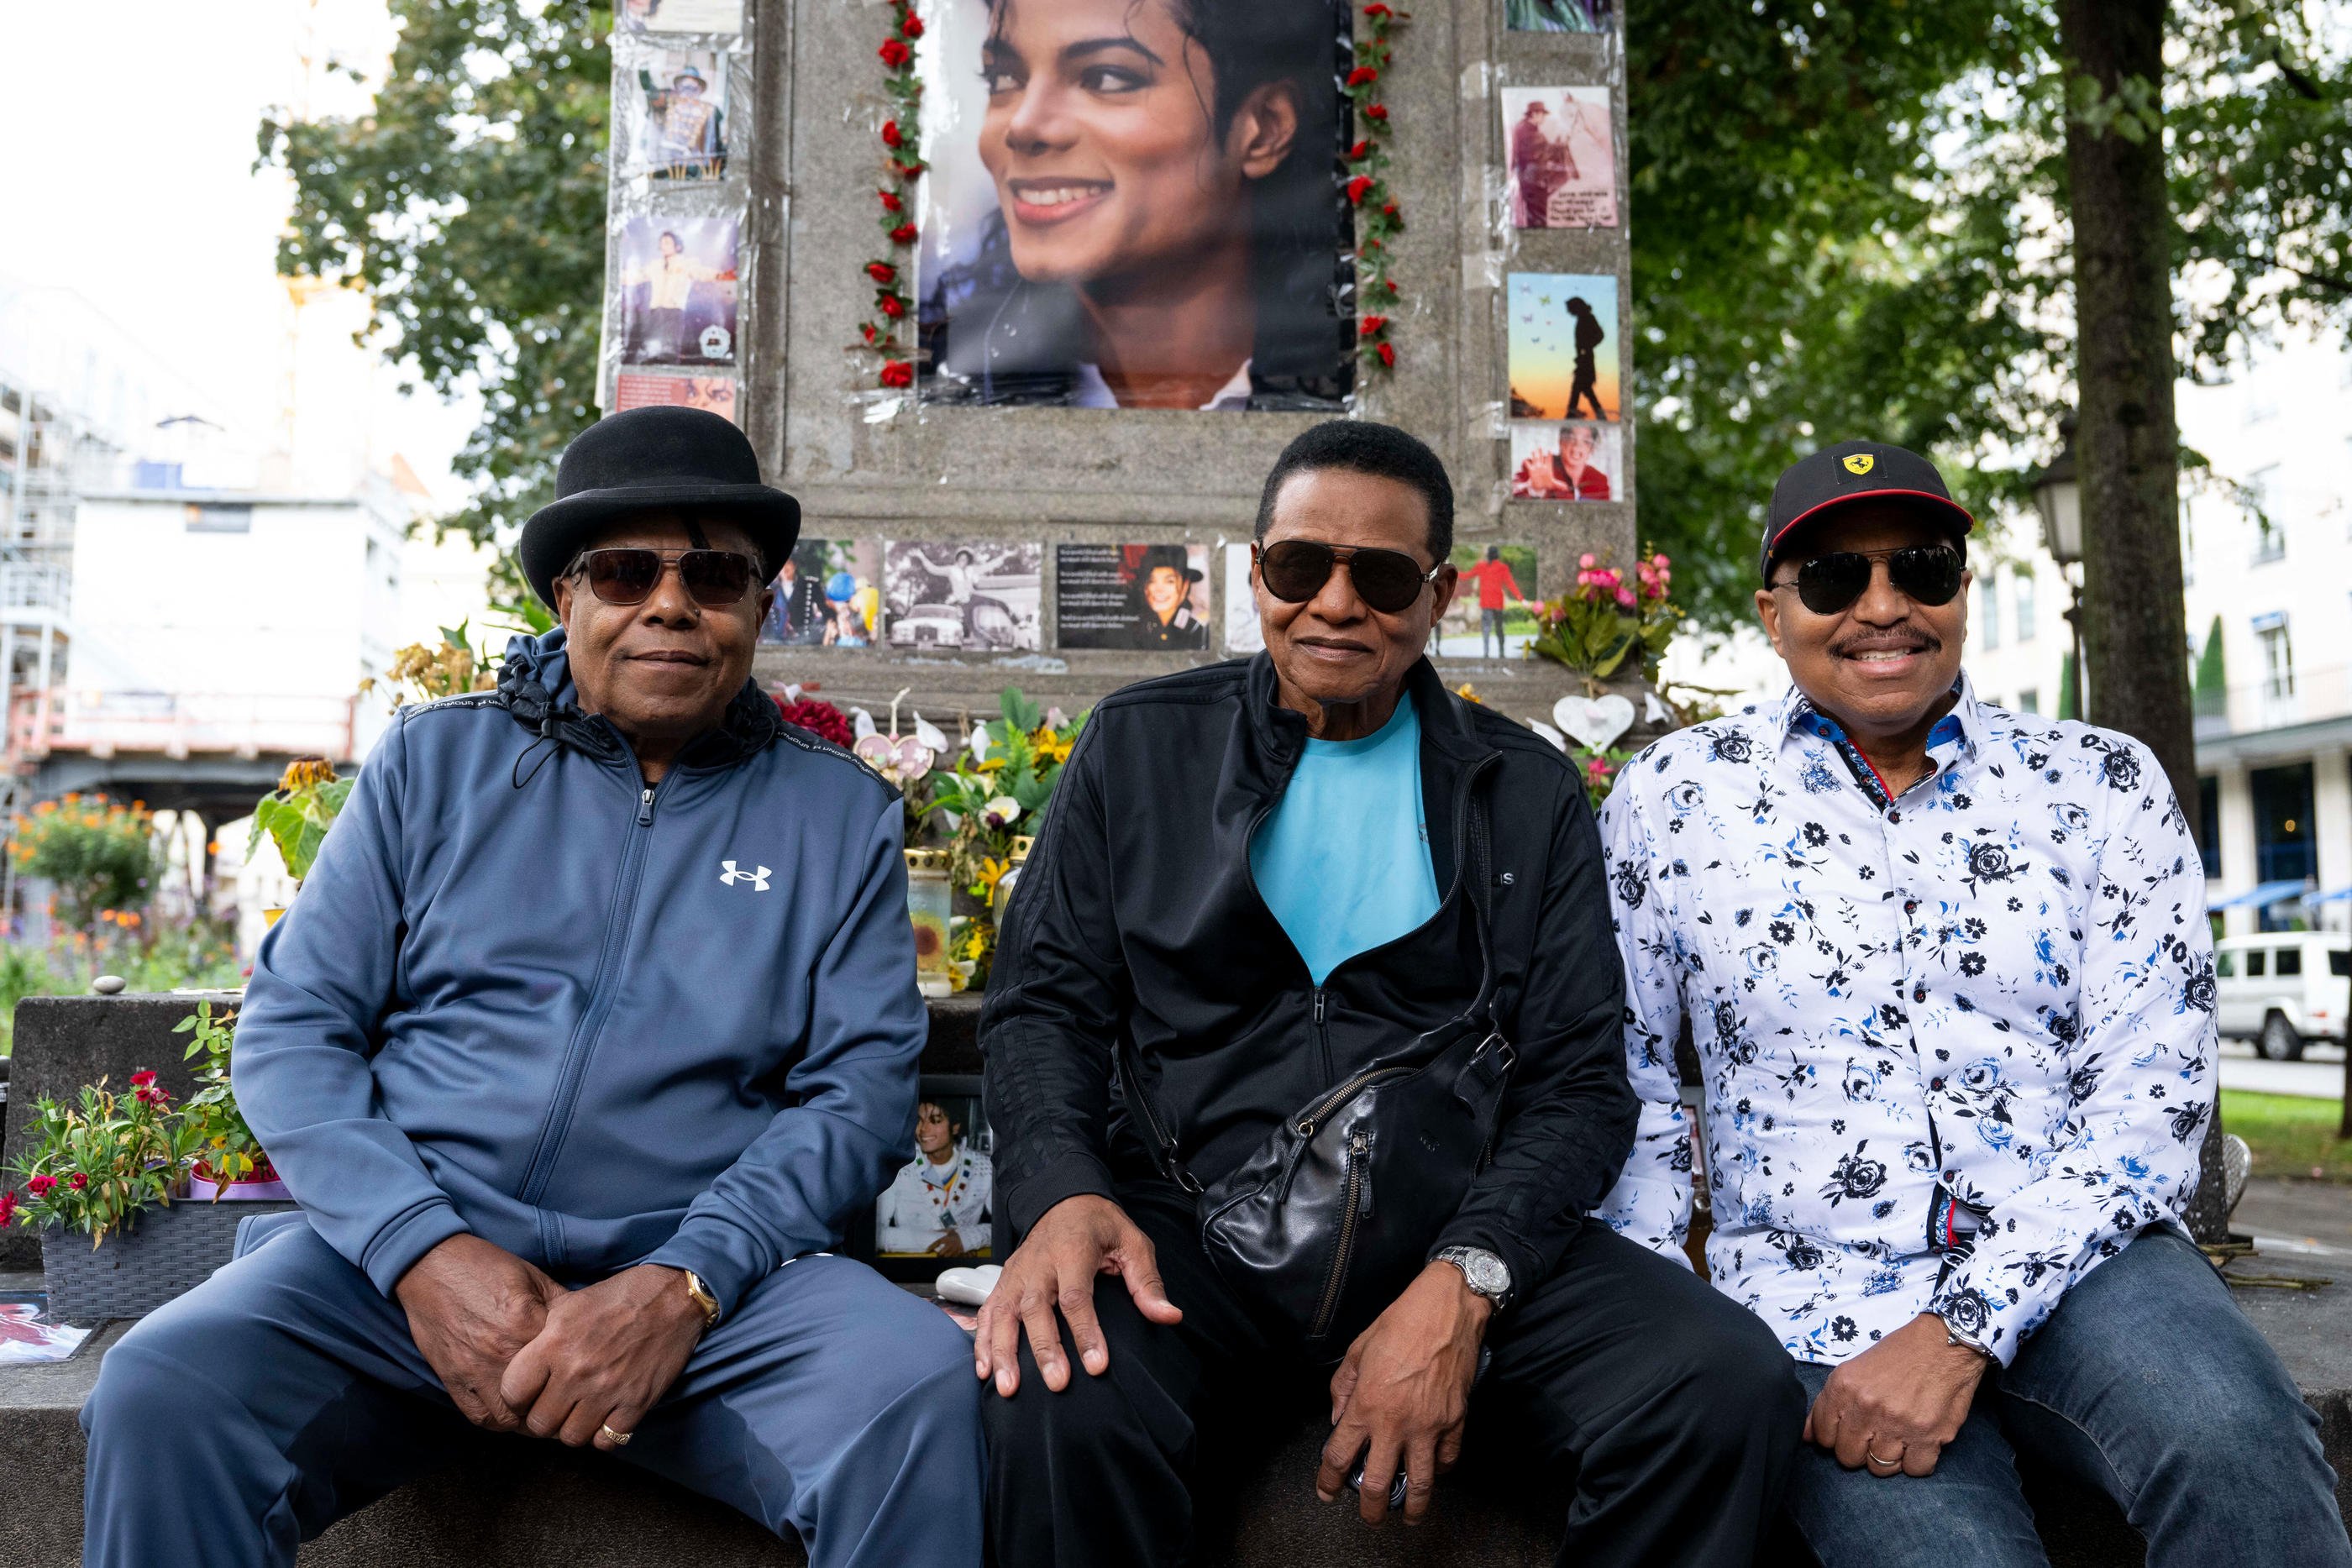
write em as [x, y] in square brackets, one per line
[601, 996]
[1359, 1206]
[1323, 1037]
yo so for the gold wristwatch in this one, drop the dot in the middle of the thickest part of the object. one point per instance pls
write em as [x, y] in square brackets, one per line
[699, 1295]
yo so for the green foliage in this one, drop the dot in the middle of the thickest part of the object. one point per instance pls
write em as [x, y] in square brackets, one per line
[24, 972]
[100, 854]
[470, 204]
[297, 813]
[225, 1148]
[2212, 674]
[1849, 220]
[991, 798]
[91, 1166]
[2290, 1135]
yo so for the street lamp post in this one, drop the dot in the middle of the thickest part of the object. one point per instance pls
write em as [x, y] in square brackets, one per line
[2058, 496]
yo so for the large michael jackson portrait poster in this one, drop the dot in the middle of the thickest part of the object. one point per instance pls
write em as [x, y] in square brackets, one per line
[1135, 203]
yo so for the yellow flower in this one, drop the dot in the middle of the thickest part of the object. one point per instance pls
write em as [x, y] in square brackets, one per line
[307, 770]
[991, 872]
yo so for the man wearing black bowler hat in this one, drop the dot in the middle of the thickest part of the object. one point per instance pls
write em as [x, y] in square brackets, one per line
[595, 1020]
[1948, 972]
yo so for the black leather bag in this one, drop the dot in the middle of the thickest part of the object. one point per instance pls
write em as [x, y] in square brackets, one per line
[1332, 1216]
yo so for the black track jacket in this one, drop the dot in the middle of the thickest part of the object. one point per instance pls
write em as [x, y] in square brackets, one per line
[1137, 913]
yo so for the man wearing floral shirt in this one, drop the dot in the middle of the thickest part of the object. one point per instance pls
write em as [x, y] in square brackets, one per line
[1948, 973]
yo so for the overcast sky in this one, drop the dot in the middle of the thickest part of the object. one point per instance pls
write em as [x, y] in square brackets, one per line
[129, 135]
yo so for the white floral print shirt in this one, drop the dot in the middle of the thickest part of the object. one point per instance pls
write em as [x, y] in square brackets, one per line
[1958, 1047]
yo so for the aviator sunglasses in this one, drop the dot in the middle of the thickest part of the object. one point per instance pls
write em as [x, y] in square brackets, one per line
[1829, 584]
[1388, 580]
[715, 578]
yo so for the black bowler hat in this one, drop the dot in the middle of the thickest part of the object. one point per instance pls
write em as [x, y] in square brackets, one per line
[662, 458]
[1857, 471]
[1173, 556]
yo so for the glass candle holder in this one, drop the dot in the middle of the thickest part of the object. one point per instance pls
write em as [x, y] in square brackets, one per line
[930, 901]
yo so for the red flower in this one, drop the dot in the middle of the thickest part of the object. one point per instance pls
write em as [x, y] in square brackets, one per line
[79, 1181]
[1371, 326]
[1361, 75]
[881, 272]
[1378, 11]
[903, 234]
[899, 373]
[141, 1080]
[1358, 187]
[909, 171]
[892, 306]
[890, 202]
[41, 1185]
[891, 135]
[1388, 355]
[894, 53]
[1378, 111]
[867, 328]
[7, 1209]
[912, 27]
[1389, 211]
[819, 718]
[1360, 149]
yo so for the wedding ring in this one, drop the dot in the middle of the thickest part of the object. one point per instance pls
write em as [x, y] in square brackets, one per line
[1873, 1456]
[618, 1439]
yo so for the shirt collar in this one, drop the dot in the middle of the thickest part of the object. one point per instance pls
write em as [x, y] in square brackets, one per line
[1967, 724]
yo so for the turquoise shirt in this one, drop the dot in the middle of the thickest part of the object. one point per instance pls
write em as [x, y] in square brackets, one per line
[1343, 859]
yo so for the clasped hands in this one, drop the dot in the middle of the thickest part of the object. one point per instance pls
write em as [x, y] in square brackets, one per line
[1400, 1399]
[518, 1352]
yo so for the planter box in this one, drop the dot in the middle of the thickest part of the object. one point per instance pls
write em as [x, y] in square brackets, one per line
[165, 1254]
[201, 1191]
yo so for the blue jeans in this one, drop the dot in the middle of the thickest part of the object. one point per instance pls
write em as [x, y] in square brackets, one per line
[285, 1392]
[2147, 1383]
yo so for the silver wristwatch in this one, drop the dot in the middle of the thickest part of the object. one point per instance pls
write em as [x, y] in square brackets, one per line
[1487, 1274]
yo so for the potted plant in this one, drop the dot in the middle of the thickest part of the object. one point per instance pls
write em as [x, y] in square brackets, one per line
[230, 1162]
[107, 1166]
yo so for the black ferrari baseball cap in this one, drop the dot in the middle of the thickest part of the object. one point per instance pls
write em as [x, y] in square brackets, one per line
[1857, 471]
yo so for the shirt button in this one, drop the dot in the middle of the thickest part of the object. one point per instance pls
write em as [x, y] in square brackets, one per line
[1894, 816]
[1919, 993]
[1910, 906]
[1936, 1085]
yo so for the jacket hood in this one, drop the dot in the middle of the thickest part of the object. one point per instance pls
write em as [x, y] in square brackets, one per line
[535, 688]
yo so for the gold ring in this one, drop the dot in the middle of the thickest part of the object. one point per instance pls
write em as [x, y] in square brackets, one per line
[1873, 1454]
[618, 1439]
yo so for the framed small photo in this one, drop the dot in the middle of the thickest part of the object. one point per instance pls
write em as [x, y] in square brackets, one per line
[937, 1213]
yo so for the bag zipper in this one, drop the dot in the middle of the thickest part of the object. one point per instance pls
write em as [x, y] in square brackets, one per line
[1359, 1206]
[1314, 1114]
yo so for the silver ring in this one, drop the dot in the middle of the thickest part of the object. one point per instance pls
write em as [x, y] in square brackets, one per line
[618, 1439]
[1871, 1454]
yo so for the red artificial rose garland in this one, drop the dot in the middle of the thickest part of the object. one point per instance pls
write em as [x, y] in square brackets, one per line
[903, 163]
[1377, 218]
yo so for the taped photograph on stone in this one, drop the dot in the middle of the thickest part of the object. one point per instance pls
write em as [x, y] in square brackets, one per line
[978, 596]
[1577, 461]
[1563, 346]
[1493, 615]
[679, 15]
[1131, 597]
[1135, 203]
[1560, 15]
[680, 135]
[1560, 157]
[828, 595]
[676, 283]
[1242, 633]
[641, 389]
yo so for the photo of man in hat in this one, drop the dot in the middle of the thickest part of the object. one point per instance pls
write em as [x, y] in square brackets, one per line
[685, 128]
[1164, 584]
[597, 1018]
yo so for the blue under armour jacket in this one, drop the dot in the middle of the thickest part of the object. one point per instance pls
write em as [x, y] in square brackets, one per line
[596, 1024]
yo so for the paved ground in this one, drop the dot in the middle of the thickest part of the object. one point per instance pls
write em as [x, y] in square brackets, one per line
[2319, 1076]
[2311, 1219]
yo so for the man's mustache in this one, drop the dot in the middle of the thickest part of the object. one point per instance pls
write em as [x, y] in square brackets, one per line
[1900, 641]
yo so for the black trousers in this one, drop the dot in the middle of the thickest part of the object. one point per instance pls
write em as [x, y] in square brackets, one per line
[1668, 1408]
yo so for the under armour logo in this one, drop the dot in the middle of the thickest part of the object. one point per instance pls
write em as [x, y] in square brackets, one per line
[730, 876]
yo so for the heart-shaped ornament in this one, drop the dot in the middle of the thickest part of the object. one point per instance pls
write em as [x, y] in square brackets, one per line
[1593, 722]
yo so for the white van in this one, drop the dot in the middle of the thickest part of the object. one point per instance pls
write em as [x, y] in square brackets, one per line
[2282, 988]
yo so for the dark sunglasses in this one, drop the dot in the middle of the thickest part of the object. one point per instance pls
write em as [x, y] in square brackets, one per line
[715, 578]
[1828, 584]
[1388, 580]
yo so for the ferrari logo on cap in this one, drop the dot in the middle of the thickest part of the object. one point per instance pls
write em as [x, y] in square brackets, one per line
[1858, 463]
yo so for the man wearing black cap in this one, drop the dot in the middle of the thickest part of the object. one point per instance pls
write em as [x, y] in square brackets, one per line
[1947, 971]
[594, 1020]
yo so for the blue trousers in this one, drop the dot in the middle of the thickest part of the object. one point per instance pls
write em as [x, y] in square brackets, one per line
[2147, 1383]
[285, 1392]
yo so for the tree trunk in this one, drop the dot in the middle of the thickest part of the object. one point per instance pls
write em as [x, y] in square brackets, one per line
[2126, 444]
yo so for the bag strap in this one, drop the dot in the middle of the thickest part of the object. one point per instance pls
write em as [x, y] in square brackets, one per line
[1490, 1062]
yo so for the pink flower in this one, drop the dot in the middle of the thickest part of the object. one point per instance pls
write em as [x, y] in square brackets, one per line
[7, 1208]
[41, 1185]
[79, 1181]
[1626, 597]
[1585, 561]
[1659, 562]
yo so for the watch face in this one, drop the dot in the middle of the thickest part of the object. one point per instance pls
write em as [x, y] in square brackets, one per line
[1487, 1275]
